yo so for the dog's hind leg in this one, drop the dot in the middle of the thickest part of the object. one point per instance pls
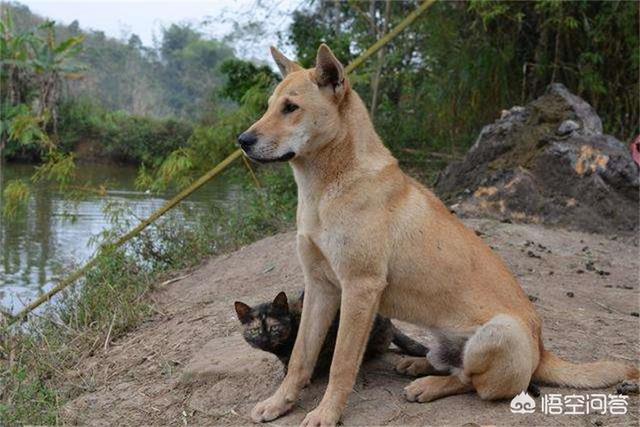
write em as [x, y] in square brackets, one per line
[319, 308]
[499, 359]
[430, 388]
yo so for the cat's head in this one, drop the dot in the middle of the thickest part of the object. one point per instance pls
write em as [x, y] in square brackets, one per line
[266, 326]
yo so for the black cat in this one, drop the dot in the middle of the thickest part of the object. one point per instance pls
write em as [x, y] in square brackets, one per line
[273, 327]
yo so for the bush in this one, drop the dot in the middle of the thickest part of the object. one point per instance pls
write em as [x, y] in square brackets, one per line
[118, 135]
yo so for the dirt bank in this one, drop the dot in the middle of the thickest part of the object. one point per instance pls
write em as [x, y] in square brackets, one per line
[187, 365]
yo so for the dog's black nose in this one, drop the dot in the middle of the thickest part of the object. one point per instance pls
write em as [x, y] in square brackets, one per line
[247, 139]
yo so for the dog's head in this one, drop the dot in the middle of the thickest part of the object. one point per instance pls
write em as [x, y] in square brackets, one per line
[303, 112]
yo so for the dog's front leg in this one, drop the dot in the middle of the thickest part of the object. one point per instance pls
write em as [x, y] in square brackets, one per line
[319, 308]
[360, 301]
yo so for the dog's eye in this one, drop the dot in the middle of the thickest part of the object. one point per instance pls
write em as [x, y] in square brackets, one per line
[289, 107]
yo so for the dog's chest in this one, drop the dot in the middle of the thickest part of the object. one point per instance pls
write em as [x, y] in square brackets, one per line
[316, 242]
[322, 232]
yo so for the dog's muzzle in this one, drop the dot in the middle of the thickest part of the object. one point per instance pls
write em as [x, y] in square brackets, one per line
[284, 158]
[247, 140]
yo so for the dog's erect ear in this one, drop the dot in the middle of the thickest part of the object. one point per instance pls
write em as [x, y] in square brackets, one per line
[280, 302]
[285, 65]
[242, 310]
[329, 71]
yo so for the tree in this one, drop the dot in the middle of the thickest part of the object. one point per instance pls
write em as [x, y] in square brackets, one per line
[458, 66]
[53, 63]
[15, 64]
[190, 67]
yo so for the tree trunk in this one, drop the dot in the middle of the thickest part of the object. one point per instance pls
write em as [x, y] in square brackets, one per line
[375, 82]
[538, 56]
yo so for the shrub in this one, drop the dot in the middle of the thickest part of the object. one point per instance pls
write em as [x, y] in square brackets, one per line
[120, 136]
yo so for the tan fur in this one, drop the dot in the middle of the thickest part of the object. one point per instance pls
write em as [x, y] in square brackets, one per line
[431, 388]
[415, 366]
[372, 239]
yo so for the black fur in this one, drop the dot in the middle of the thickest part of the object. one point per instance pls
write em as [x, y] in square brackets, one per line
[448, 353]
[407, 344]
[273, 327]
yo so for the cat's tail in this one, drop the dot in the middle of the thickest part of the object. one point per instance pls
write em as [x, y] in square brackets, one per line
[407, 344]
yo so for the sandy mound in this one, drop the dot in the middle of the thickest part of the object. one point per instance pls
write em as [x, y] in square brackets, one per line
[547, 163]
[188, 365]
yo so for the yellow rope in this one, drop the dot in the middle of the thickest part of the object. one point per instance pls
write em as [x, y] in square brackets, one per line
[205, 178]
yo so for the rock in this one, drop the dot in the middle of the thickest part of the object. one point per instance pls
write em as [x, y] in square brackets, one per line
[547, 162]
[568, 126]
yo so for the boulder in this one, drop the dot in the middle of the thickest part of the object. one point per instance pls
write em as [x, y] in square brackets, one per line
[547, 162]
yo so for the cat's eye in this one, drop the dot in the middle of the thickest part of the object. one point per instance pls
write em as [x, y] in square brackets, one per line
[289, 107]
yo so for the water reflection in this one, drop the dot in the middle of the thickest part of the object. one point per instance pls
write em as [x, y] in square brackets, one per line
[55, 230]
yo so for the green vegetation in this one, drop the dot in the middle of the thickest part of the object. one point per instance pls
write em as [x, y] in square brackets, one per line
[443, 78]
[214, 140]
[453, 71]
[117, 135]
[34, 66]
[176, 78]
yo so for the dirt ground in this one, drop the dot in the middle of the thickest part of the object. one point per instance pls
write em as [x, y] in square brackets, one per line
[188, 365]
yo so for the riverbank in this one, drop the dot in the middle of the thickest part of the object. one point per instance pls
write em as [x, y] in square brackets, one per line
[58, 229]
[113, 297]
[186, 364]
[95, 134]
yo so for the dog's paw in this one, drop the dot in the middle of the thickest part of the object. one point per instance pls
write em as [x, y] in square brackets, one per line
[270, 409]
[422, 390]
[628, 387]
[322, 416]
[413, 366]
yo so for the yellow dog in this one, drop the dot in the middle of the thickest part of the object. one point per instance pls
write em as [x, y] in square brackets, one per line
[371, 239]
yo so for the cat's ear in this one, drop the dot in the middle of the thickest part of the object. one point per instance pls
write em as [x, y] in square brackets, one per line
[280, 302]
[243, 311]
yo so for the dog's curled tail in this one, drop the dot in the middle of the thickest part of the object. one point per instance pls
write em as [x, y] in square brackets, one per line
[408, 345]
[552, 370]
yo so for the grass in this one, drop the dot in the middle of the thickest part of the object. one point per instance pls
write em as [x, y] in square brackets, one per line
[37, 359]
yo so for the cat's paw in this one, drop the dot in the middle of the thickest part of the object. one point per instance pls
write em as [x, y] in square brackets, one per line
[322, 416]
[414, 366]
[270, 409]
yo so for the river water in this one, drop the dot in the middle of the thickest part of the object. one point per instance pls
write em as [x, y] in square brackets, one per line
[55, 230]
